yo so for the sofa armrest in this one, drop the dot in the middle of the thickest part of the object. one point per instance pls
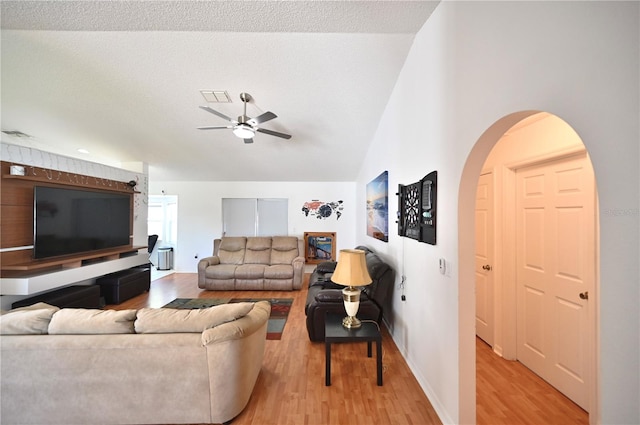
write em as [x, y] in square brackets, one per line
[329, 296]
[298, 272]
[234, 355]
[202, 267]
[242, 327]
[335, 295]
[208, 261]
[326, 267]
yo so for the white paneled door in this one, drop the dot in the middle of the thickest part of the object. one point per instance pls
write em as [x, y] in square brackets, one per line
[555, 261]
[484, 259]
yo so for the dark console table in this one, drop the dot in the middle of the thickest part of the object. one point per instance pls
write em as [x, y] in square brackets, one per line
[123, 285]
[335, 333]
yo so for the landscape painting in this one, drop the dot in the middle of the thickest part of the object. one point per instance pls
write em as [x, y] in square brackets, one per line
[378, 207]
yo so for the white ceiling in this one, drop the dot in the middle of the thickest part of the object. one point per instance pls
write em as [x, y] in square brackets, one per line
[122, 79]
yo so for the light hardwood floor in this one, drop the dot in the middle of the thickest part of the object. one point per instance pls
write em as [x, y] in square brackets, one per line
[290, 388]
[508, 393]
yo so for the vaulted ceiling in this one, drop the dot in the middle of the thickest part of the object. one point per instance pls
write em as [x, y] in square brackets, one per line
[123, 80]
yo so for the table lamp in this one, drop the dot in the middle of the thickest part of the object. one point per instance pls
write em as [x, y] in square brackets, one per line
[351, 272]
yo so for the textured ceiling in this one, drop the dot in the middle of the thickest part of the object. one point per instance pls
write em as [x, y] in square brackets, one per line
[122, 79]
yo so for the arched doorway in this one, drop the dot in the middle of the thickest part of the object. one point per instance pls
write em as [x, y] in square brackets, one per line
[505, 296]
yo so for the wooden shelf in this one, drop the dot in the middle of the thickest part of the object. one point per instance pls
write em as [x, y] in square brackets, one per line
[115, 186]
[68, 262]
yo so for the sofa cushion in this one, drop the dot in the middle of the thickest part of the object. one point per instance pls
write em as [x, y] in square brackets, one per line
[169, 320]
[30, 320]
[280, 271]
[330, 284]
[378, 269]
[284, 249]
[250, 271]
[258, 250]
[221, 271]
[80, 321]
[232, 250]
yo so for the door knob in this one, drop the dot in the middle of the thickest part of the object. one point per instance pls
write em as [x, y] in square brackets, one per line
[584, 295]
[486, 267]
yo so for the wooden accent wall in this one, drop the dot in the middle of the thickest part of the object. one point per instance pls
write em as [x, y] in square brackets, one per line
[16, 209]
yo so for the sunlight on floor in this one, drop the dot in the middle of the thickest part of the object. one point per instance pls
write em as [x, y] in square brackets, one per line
[157, 274]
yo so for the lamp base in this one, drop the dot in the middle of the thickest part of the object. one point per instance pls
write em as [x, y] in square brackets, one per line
[351, 322]
[351, 297]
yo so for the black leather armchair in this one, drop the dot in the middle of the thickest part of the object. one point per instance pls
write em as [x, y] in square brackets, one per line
[325, 296]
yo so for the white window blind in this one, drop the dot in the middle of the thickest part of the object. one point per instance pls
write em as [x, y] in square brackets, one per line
[255, 217]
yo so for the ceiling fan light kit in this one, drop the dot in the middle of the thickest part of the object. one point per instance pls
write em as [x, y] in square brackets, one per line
[244, 131]
[244, 127]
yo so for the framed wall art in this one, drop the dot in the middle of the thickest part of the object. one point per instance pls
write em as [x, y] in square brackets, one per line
[378, 207]
[319, 247]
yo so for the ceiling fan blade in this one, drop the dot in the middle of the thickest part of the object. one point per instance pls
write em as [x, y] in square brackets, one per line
[248, 140]
[214, 112]
[274, 133]
[262, 118]
[207, 127]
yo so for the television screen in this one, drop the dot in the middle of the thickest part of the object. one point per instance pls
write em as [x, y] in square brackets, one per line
[71, 221]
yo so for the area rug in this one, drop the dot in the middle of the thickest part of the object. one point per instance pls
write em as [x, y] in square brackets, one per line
[280, 308]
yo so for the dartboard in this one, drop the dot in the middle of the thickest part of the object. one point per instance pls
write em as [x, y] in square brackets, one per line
[412, 210]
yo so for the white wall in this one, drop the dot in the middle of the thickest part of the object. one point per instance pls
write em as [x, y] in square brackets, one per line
[471, 65]
[200, 212]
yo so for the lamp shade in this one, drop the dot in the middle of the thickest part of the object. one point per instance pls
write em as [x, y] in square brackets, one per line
[351, 269]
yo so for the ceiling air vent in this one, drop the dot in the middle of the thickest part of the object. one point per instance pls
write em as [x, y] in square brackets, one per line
[216, 96]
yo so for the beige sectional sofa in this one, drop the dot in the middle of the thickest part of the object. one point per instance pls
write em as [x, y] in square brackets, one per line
[150, 366]
[253, 263]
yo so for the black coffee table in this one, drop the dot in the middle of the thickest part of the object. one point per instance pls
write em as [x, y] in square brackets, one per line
[335, 333]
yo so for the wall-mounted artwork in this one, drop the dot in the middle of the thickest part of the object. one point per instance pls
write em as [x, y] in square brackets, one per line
[322, 210]
[319, 247]
[378, 207]
[417, 205]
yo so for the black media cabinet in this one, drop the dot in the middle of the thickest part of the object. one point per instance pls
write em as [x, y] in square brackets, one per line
[123, 285]
[70, 297]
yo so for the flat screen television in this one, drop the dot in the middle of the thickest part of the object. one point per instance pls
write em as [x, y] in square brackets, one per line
[72, 221]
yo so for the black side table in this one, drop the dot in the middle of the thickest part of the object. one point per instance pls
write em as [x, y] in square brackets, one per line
[335, 332]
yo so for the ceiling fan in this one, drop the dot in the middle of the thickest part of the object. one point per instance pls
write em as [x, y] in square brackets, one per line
[244, 127]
